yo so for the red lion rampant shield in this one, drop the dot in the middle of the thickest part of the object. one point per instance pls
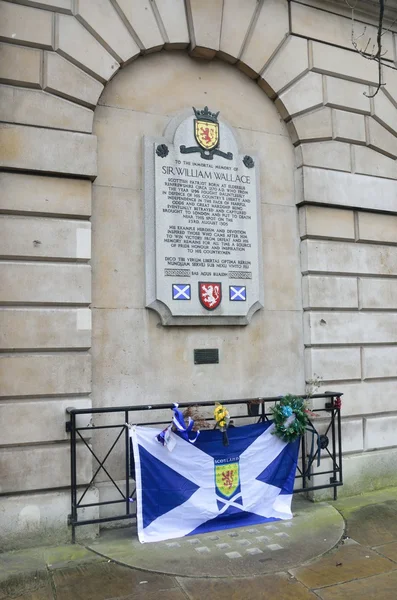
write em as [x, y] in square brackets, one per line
[210, 294]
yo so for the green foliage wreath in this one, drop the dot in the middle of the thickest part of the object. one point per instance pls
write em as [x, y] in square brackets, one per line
[290, 418]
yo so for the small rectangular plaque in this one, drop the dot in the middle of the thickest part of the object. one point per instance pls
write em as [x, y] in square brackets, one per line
[206, 356]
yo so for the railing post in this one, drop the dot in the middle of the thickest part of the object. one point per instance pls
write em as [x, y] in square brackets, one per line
[73, 476]
[127, 464]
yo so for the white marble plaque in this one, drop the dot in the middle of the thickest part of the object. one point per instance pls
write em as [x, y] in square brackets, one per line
[202, 219]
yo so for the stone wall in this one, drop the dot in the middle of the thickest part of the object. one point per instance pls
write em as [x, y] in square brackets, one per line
[55, 57]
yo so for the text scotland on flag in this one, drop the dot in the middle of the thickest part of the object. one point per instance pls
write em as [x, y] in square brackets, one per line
[206, 486]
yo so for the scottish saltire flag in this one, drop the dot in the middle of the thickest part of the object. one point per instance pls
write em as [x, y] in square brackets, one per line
[202, 487]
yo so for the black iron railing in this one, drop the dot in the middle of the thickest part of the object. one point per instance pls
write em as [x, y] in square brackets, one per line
[327, 444]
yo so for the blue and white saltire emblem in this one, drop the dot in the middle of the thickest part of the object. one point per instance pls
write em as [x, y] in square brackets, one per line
[237, 293]
[203, 487]
[181, 291]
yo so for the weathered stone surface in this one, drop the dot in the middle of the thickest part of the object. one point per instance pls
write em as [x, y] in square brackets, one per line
[47, 195]
[334, 29]
[154, 85]
[380, 362]
[347, 64]
[45, 374]
[350, 328]
[344, 257]
[313, 126]
[333, 365]
[102, 20]
[120, 135]
[45, 282]
[24, 426]
[236, 20]
[139, 17]
[117, 217]
[377, 227]
[31, 107]
[173, 17]
[384, 111]
[74, 42]
[204, 21]
[348, 127]
[26, 25]
[20, 66]
[44, 237]
[289, 63]
[65, 79]
[380, 585]
[343, 189]
[43, 328]
[269, 30]
[318, 221]
[36, 467]
[304, 95]
[324, 154]
[378, 293]
[58, 5]
[367, 397]
[344, 94]
[370, 162]
[49, 150]
[381, 139]
[329, 292]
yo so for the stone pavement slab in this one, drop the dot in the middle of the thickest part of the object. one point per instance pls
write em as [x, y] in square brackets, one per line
[388, 550]
[379, 587]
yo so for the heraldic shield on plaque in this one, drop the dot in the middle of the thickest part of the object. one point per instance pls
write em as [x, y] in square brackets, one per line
[203, 249]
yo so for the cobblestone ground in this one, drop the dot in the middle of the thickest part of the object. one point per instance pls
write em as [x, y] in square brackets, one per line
[362, 565]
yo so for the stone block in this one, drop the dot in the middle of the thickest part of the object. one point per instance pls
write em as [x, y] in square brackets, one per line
[370, 162]
[33, 107]
[20, 65]
[41, 467]
[303, 96]
[350, 328]
[287, 65]
[236, 20]
[390, 89]
[45, 374]
[47, 195]
[276, 158]
[118, 218]
[369, 471]
[344, 257]
[377, 227]
[120, 135]
[319, 221]
[57, 5]
[333, 364]
[63, 78]
[346, 95]
[324, 154]
[49, 283]
[346, 64]
[313, 126]
[43, 420]
[45, 328]
[384, 111]
[378, 294]
[380, 432]
[107, 492]
[348, 127]
[282, 277]
[25, 518]
[329, 292]
[44, 238]
[139, 16]
[334, 29]
[367, 397]
[77, 44]
[380, 362]
[150, 86]
[352, 437]
[173, 16]
[343, 189]
[104, 23]
[204, 21]
[48, 150]
[26, 25]
[268, 32]
[381, 139]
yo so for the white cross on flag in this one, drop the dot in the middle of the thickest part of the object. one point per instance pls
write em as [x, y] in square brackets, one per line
[238, 293]
[180, 291]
